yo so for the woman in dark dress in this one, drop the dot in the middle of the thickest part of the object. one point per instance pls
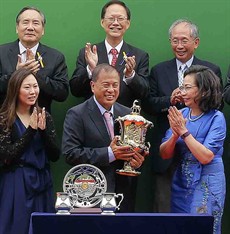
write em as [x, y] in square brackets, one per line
[27, 144]
[196, 136]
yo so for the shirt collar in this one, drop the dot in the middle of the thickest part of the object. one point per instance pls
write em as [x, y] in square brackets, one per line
[22, 48]
[109, 47]
[188, 63]
[101, 108]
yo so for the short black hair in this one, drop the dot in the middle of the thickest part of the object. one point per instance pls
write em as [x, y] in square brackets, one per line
[115, 2]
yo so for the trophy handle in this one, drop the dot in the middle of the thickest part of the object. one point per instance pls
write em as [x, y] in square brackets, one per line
[121, 199]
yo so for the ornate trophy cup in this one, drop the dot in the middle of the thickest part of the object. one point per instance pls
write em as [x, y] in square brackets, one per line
[133, 132]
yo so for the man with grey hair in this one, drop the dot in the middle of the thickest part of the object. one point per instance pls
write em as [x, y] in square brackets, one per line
[47, 63]
[165, 79]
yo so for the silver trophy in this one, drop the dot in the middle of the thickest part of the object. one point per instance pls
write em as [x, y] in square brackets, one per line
[62, 204]
[109, 204]
[85, 185]
[133, 132]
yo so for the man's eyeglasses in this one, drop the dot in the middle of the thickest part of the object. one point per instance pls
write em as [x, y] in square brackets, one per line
[183, 42]
[186, 88]
[112, 19]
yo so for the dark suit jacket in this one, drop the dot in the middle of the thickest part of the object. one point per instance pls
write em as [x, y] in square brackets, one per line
[163, 80]
[52, 79]
[227, 88]
[137, 89]
[86, 140]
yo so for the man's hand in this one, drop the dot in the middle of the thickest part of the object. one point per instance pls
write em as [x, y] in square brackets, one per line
[125, 153]
[176, 97]
[91, 56]
[129, 66]
[30, 63]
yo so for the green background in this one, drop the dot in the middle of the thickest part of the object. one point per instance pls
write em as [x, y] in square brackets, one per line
[72, 23]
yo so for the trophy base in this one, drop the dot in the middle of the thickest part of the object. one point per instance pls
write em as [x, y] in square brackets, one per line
[86, 210]
[63, 212]
[128, 173]
[108, 213]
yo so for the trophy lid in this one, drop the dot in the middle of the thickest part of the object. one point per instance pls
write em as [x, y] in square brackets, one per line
[135, 116]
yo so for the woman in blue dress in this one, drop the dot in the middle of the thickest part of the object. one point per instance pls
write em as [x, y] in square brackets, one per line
[196, 138]
[27, 144]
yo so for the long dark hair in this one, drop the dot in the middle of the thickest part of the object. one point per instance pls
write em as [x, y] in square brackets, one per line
[8, 109]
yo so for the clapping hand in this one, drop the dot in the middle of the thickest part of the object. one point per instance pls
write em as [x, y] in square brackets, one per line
[42, 119]
[38, 120]
[129, 66]
[91, 56]
[30, 62]
[177, 121]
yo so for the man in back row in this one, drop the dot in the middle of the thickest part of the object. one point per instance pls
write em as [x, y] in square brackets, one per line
[133, 69]
[47, 63]
[165, 78]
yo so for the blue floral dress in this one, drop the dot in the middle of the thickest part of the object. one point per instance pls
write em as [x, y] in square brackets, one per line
[197, 188]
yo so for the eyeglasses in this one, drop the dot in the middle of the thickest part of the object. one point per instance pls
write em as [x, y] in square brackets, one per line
[183, 42]
[112, 19]
[186, 88]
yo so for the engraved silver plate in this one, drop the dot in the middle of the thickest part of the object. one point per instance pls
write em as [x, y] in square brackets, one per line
[85, 185]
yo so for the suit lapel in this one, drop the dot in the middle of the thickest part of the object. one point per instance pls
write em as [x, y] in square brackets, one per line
[120, 64]
[13, 54]
[97, 120]
[172, 74]
[102, 53]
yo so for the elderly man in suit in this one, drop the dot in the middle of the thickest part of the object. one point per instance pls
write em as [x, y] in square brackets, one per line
[47, 63]
[165, 78]
[131, 62]
[87, 139]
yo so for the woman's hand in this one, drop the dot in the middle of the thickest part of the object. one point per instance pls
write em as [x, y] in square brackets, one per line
[42, 119]
[177, 121]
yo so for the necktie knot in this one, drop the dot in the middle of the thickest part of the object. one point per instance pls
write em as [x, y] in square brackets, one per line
[114, 52]
[107, 116]
[183, 67]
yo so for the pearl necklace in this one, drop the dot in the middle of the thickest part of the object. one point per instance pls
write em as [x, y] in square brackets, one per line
[194, 119]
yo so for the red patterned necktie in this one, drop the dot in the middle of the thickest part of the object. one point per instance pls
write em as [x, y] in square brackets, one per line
[114, 52]
[107, 116]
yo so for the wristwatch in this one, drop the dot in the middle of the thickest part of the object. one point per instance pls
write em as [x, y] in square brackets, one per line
[185, 135]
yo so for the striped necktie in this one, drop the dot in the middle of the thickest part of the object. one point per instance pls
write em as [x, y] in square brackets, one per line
[182, 69]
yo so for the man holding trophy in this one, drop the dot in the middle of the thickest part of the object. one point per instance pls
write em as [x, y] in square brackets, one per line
[89, 136]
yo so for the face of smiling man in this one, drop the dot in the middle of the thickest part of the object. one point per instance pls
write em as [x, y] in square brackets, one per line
[106, 88]
[183, 44]
[115, 23]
